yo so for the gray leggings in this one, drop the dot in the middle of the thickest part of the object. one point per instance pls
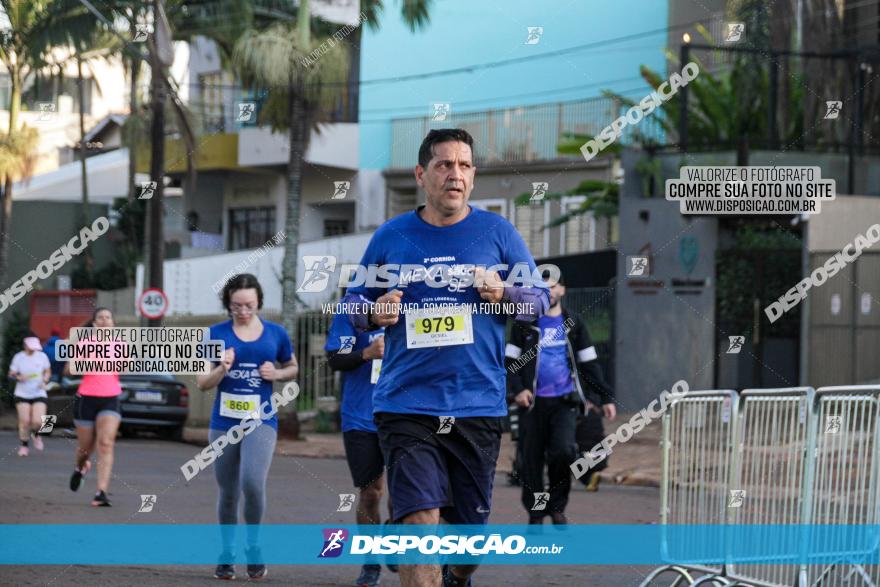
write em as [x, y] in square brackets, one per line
[243, 468]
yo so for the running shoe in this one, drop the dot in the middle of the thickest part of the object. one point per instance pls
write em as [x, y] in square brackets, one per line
[391, 566]
[539, 520]
[559, 519]
[255, 567]
[38, 442]
[224, 572]
[100, 500]
[593, 483]
[23, 451]
[76, 479]
[450, 580]
[369, 576]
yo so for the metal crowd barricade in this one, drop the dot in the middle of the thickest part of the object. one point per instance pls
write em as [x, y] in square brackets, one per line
[697, 444]
[845, 490]
[773, 466]
[803, 458]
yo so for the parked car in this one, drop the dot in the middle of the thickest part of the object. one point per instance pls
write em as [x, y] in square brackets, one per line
[156, 401]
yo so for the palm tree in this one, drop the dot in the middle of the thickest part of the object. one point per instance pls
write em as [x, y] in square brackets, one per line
[31, 34]
[278, 58]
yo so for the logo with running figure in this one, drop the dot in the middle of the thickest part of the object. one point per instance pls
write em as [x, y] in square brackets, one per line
[832, 109]
[346, 500]
[47, 111]
[340, 189]
[539, 190]
[148, 188]
[736, 344]
[832, 424]
[541, 500]
[736, 498]
[317, 273]
[637, 266]
[147, 503]
[440, 111]
[346, 345]
[47, 423]
[534, 35]
[246, 111]
[142, 31]
[446, 423]
[334, 540]
[735, 32]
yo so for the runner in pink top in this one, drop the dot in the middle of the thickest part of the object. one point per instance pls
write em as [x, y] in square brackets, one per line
[100, 384]
[96, 415]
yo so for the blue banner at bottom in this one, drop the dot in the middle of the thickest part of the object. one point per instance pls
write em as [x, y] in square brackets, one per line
[183, 544]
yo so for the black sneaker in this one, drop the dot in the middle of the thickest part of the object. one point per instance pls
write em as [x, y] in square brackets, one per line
[224, 572]
[369, 576]
[100, 500]
[255, 567]
[559, 519]
[450, 580]
[76, 480]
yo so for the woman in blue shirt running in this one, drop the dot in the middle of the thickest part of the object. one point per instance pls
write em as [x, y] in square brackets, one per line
[244, 382]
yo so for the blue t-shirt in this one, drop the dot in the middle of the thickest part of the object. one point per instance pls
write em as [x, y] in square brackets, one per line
[242, 387]
[357, 391]
[554, 368]
[461, 380]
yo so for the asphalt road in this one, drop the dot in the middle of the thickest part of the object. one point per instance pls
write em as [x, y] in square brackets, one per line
[34, 490]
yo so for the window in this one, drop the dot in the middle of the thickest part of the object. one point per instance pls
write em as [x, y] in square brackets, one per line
[211, 90]
[530, 220]
[49, 88]
[578, 235]
[250, 228]
[335, 227]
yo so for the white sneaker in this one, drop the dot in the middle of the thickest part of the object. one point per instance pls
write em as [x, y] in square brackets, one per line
[38, 442]
[23, 451]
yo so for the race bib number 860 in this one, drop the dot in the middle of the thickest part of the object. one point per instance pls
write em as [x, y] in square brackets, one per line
[234, 405]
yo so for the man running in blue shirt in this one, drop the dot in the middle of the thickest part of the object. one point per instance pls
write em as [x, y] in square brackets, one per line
[443, 363]
[359, 357]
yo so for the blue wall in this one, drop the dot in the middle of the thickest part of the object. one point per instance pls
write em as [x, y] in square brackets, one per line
[473, 32]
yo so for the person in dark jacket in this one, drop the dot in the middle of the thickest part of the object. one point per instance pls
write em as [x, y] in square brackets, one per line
[553, 376]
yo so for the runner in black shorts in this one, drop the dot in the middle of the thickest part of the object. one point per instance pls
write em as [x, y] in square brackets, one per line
[359, 356]
[31, 371]
[441, 395]
[96, 416]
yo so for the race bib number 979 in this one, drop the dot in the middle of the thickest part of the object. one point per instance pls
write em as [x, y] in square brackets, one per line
[438, 327]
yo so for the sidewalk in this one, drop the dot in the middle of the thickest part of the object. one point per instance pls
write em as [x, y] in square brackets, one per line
[638, 462]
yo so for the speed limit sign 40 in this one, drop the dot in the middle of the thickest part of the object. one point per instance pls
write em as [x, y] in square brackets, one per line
[152, 303]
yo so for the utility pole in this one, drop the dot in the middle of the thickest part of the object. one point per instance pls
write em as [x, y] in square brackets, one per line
[160, 56]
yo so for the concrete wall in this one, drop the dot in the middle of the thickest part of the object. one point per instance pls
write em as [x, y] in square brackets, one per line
[664, 321]
[38, 229]
[840, 221]
[189, 282]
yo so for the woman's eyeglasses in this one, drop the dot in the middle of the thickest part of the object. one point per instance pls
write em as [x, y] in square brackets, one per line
[242, 308]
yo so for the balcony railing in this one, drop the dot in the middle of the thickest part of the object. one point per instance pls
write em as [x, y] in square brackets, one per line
[227, 116]
[515, 135]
